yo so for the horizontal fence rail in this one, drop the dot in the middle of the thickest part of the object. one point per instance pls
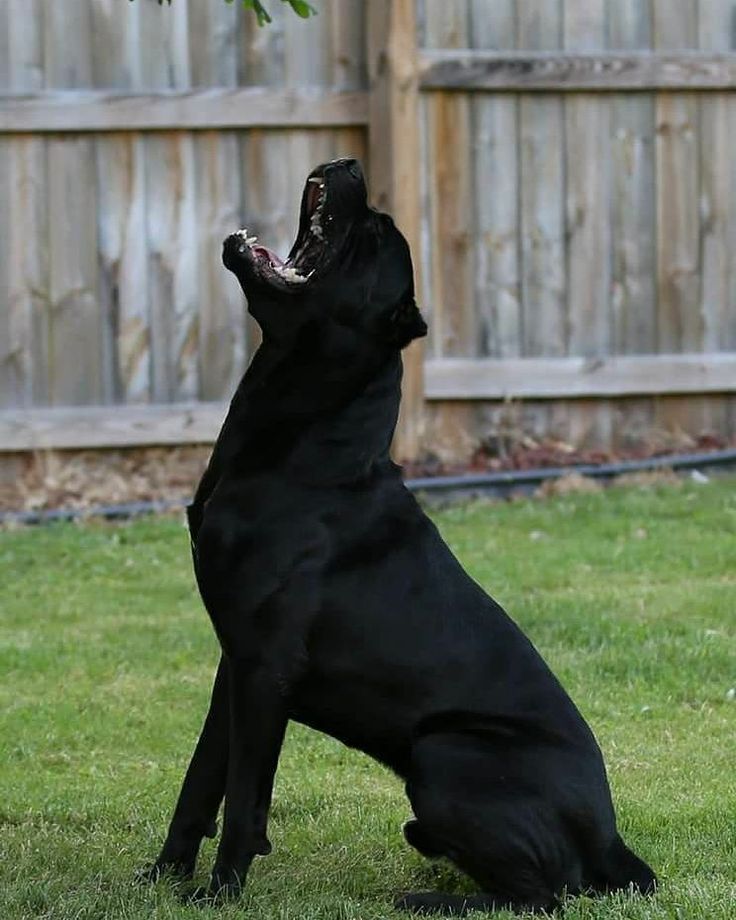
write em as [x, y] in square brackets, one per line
[566, 378]
[81, 427]
[445, 379]
[74, 111]
[467, 70]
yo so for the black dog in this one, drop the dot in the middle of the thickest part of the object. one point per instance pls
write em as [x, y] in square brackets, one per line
[337, 603]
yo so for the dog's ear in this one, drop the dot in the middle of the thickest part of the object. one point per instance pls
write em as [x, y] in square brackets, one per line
[404, 323]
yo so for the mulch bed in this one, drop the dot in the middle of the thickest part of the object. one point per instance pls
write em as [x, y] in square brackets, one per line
[83, 479]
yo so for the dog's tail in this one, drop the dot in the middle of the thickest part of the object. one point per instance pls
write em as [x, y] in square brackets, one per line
[621, 869]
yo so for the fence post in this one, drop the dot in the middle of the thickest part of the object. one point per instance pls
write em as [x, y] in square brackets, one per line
[394, 155]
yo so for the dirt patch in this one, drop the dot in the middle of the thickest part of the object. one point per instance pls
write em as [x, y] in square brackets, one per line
[81, 479]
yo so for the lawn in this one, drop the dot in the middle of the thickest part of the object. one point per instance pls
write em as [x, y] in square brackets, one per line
[107, 659]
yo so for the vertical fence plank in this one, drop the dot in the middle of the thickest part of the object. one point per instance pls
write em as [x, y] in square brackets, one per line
[541, 177]
[588, 229]
[718, 186]
[679, 320]
[394, 154]
[170, 213]
[76, 338]
[542, 180]
[495, 146]
[451, 201]
[172, 266]
[632, 188]
[24, 234]
[11, 382]
[588, 226]
[633, 215]
[123, 263]
[717, 21]
[348, 44]
[222, 314]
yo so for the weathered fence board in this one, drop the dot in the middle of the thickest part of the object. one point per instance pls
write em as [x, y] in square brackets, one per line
[609, 72]
[562, 378]
[633, 297]
[394, 156]
[99, 426]
[495, 167]
[201, 109]
[542, 191]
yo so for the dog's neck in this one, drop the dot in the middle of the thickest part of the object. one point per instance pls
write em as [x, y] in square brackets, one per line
[348, 444]
[263, 432]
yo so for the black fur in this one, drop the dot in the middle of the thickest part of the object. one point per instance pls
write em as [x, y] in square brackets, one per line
[337, 603]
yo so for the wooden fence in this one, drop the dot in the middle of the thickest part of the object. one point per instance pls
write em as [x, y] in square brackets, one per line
[563, 169]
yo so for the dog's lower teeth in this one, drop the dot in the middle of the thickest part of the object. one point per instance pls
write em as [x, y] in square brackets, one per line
[291, 274]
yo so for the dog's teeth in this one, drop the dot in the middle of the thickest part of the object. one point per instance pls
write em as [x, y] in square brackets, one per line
[317, 180]
[250, 239]
[291, 274]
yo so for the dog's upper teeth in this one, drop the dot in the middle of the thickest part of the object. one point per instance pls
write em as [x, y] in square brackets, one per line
[315, 179]
[250, 239]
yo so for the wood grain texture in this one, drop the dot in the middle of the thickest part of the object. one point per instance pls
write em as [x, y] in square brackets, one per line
[718, 187]
[24, 232]
[717, 129]
[588, 207]
[678, 256]
[99, 426]
[222, 347]
[633, 214]
[633, 211]
[495, 193]
[587, 168]
[73, 111]
[564, 378]
[542, 182]
[76, 329]
[513, 72]
[394, 153]
[120, 175]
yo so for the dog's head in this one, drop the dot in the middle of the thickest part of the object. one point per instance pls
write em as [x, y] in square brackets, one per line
[349, 267]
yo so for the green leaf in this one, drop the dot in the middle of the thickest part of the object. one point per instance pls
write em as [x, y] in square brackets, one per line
[301, 8]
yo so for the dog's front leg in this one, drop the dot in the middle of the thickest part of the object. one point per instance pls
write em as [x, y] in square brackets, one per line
[196, 810]
[257, 725]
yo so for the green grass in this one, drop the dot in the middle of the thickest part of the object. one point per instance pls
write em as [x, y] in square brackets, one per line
[106, 659]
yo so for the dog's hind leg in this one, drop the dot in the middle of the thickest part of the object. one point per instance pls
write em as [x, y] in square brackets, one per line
[202, 791]
[496, 831]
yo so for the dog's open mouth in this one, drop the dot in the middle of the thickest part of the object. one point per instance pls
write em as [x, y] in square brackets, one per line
[311, 247]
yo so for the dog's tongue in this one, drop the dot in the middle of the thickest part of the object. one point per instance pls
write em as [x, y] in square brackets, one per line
[262, 253]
